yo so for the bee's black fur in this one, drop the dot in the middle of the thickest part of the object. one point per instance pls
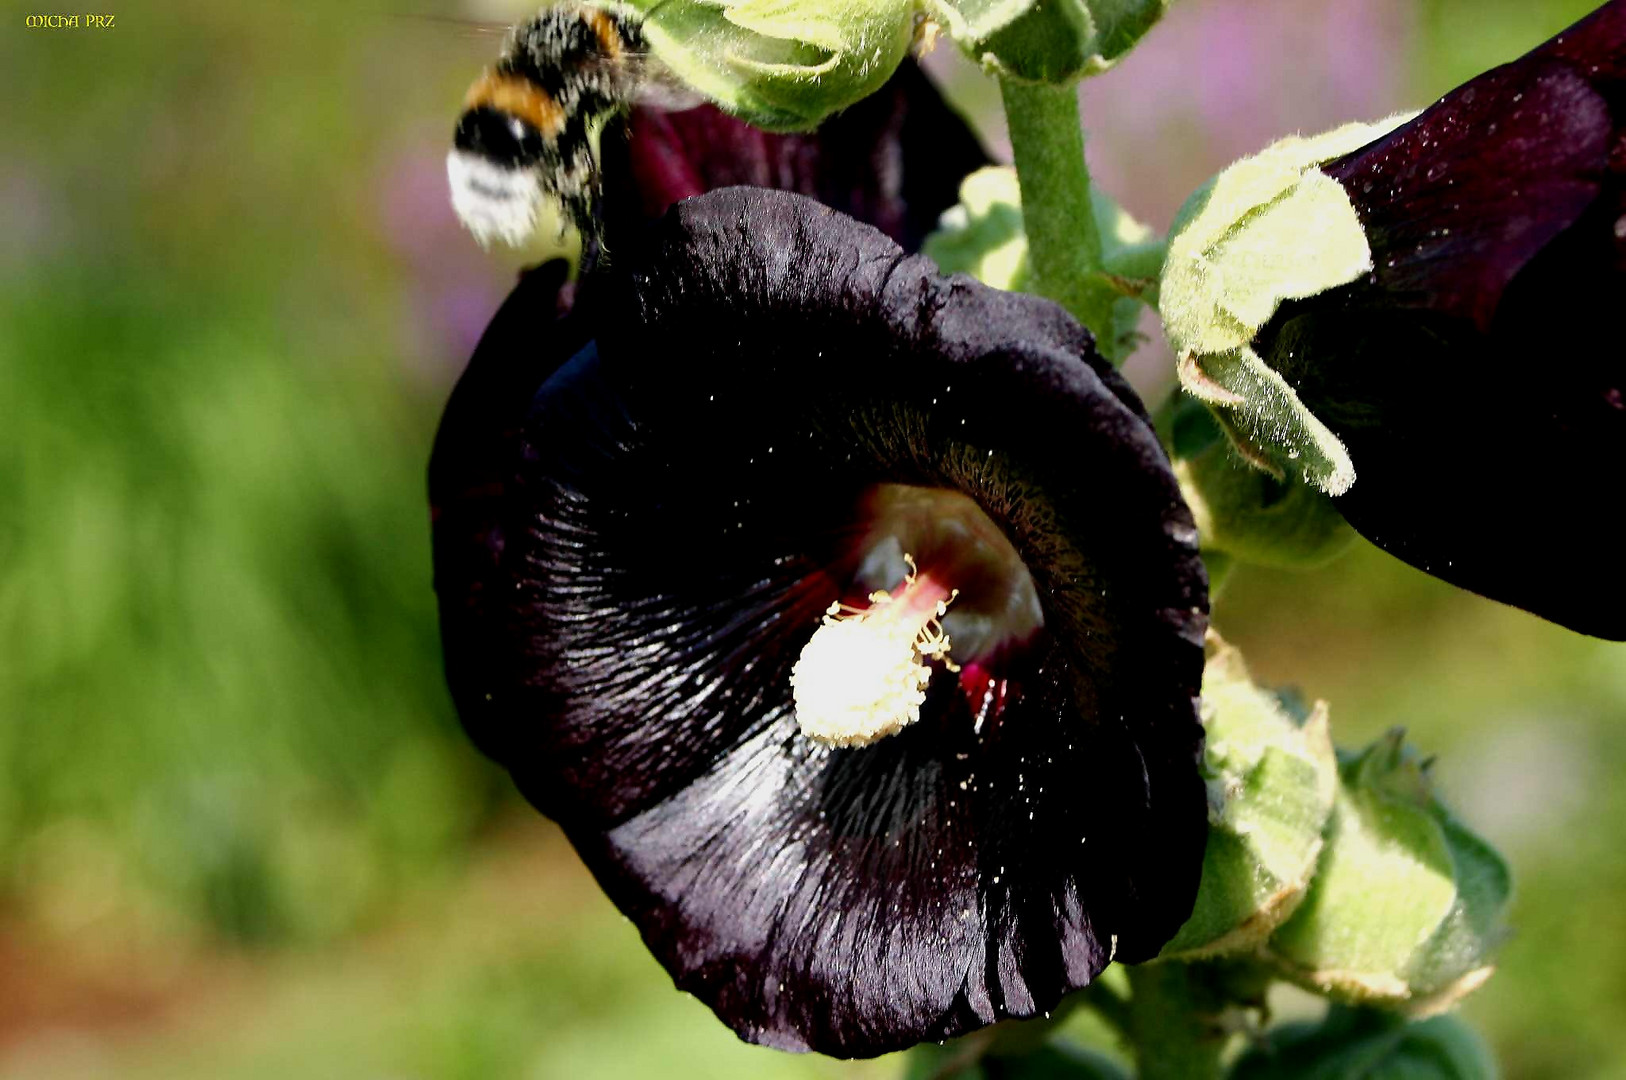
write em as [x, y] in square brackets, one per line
[500, 138]
[560, 51]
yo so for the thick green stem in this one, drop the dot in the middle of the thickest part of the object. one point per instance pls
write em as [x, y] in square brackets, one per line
[1064, 242]
[1174, 1024]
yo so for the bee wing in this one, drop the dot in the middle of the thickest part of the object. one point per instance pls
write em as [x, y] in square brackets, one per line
[468, 28]
[662, 90]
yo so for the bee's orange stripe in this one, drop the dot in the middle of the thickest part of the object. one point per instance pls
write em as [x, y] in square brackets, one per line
[608, 30]
[518, 97]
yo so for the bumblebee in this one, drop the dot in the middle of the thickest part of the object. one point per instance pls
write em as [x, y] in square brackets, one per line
[525, 135]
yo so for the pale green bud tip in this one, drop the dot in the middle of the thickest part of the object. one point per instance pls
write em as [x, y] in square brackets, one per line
[1366, 1042]
[782, 65]
[1054, 41]
[1407, 906]
[1271, 778]
[1269, 228]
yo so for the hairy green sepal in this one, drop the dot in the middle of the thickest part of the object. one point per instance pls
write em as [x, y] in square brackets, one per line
[781, 65]
[1271, 777]
[983, 236]
[1242, 511]
[1407, 906]
[1269, 228]
[1055, 41]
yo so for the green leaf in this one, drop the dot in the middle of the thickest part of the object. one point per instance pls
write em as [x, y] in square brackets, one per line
[1364, 1044]
[1129, 248]
[984, 236]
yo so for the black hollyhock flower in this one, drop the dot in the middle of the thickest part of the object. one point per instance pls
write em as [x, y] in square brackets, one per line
[1477, 375]
[647, 518]
[894, 160]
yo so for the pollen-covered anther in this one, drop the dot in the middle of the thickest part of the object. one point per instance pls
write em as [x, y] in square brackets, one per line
[863, 675]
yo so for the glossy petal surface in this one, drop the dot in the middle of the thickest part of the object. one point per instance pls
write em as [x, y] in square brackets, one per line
[627, 579]
[1477, 376]
[894, 160]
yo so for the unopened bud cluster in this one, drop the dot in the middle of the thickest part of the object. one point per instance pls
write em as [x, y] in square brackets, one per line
[1342, 873]
[1408, 905]
[1271, 778]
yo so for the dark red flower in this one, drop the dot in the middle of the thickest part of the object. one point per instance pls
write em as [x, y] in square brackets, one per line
[642, 516]
[1477, 375]
[894, 160]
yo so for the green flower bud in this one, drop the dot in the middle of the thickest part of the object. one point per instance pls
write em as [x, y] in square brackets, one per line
[781, 65]
[1358, 1044]
[1407, 905]
[1271, 778]
[1245, 512]
[1056, 41]
[1269, 228]
[984, 236]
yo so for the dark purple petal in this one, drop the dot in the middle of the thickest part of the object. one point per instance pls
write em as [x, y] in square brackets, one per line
[472, 483]
[676, 512]
[1476, 375]
[894, 160]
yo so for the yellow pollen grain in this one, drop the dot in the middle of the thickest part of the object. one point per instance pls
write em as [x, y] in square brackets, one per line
[863, 675]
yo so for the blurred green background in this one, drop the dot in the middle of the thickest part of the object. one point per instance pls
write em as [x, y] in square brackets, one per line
[240, 832]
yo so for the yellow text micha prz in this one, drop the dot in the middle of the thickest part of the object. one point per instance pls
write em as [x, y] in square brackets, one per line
[69, 22]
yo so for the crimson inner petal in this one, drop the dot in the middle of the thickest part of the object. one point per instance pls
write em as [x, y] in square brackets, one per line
[952, 539]
[995, 616]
